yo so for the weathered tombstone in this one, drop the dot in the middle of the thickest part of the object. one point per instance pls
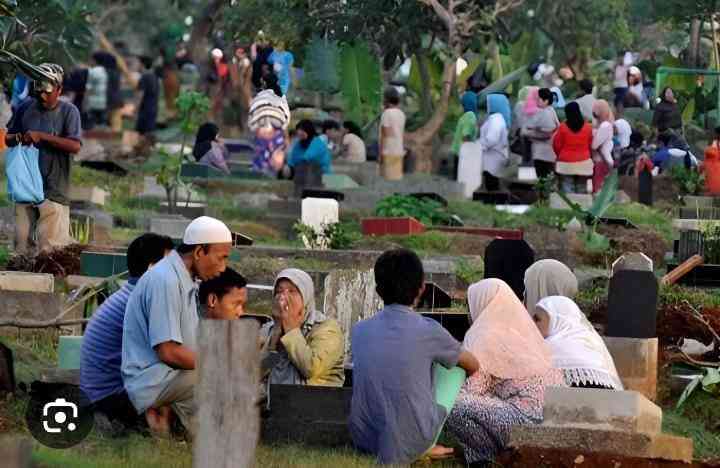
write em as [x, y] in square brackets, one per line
[434, 297]
[645, 187]
[7, 370]
[632, 304]
[226, 395]
[319, 193]
[634, 261]
[691, 243]
[350, 296]
[508, 260]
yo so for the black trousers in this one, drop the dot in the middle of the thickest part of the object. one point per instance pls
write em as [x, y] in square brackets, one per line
[543, 169]
[491, 183]
[118, 407]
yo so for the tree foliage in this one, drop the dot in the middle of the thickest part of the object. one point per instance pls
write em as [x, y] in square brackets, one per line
[360, 83]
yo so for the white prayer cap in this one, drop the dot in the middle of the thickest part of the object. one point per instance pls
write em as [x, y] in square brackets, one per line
[635, 71]
[207, 230]
[217, 54]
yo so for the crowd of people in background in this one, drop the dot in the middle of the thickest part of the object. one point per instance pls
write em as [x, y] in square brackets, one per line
[579, 153]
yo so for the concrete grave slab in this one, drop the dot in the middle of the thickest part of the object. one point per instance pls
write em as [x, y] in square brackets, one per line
[636, 361]
[30, 306]
[601, 409]
[338, 182]
[88, 195]
[687, 224]
[633, 261]
[171, 227]
[584, 200]
[28, 282]
[652, 446]
[632, 304]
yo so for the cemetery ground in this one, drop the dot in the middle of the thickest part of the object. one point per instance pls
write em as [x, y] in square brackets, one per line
[453, 260]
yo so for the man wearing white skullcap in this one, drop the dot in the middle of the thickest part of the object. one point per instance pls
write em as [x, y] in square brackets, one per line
[161, 321]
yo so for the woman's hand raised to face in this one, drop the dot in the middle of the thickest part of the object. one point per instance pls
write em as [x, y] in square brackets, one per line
[288, 311]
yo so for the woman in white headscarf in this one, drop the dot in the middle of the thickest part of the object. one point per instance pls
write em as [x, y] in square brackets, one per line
[515, 367]
[307, 348]
[577, 349]
[548, 278]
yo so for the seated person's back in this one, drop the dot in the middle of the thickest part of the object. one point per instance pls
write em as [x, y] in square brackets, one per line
[100, 355]
[394, 413]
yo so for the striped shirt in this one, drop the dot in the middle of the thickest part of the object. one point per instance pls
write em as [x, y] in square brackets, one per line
[101, 352]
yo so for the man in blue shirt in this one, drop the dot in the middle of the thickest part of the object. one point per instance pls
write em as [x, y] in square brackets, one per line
[395, 413]
[161, 322]
[100, 355]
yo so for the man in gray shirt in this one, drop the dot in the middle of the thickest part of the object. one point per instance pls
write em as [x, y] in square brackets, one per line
[53, 126]
[160, 326]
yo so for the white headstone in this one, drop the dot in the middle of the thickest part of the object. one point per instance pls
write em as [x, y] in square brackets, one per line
[318, 213]
[527, 174]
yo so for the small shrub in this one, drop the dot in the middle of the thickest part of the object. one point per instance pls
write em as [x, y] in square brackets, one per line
[427, 211]
[469, 271]
[690, 182]
[336, 236]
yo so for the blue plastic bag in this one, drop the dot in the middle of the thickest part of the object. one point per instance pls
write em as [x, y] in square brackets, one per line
[25, 183]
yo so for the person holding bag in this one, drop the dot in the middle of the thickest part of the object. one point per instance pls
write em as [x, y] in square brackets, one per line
[53, 127]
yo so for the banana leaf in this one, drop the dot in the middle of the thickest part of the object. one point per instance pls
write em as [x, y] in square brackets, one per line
[435, 69]
[361, 82]
[27, 68]
[688, 112]
[322, 59]
[7, 7]
[606, 197]
[504, 82]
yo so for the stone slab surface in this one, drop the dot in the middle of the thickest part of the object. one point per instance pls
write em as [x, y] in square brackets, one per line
[657, 446]
[28, 282]
[687, 224]
[636, 363]
[92, 195]
[601, 409]
[78, 281]
[172, 227]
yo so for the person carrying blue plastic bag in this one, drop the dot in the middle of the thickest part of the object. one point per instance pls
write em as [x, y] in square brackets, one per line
[53, 127]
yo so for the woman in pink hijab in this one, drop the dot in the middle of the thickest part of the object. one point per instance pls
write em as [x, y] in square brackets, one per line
[515, 367]
[602, 144]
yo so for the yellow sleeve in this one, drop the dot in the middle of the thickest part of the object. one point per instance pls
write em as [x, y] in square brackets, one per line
[319, 353]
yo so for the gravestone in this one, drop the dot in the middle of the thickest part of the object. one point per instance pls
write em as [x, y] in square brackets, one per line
[632, 304]
[318, 213]
[318, 193]
[508, 260]
[645, 188]
[634, 261]
[171, 226]
[690, 244]
[350, 296]
[585, 200]
[434, 297]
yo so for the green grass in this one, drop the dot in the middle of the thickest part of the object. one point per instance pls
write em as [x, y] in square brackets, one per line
[706, 443]
[469, 271]
[645, 217]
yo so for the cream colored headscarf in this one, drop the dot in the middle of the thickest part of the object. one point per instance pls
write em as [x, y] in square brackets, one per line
[577, 349]
[548, 278]
[503, 337]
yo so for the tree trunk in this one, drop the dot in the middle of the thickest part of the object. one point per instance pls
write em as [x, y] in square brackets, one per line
[426, 104]
[694, 52]
[420, 141]
[202, 30]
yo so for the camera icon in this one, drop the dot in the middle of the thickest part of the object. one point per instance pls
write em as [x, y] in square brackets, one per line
[56, 416]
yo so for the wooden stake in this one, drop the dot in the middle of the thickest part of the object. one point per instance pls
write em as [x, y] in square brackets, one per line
[683, 269]
[227, 393]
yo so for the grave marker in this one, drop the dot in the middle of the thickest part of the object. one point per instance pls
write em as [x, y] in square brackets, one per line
[227, 392]
[633, 261]
[632, 304]
[319, 213]
[307, 176]
[508, 260]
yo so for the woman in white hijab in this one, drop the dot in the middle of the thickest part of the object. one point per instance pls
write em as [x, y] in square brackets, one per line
[515, 367]
[306, 347]
[577, 349]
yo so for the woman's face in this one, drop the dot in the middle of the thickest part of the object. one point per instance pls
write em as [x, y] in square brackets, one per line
[542, 321]
[301, 134]
[542, 104]
[287, 288]
[669, 95]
